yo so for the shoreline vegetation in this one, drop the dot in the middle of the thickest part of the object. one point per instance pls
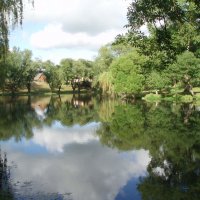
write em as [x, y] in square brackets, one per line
[174, 95]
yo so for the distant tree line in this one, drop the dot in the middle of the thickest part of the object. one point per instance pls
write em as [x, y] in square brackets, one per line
[19, 69]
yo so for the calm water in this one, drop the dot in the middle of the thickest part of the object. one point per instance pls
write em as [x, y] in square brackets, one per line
[86, 148]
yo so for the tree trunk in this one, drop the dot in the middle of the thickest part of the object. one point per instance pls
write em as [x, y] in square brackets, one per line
[28, 86]
[73, 88]
[188, 87]
[73, 85]
[59, 89]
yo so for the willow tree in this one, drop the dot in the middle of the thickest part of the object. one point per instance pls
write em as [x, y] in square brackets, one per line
[11, 15]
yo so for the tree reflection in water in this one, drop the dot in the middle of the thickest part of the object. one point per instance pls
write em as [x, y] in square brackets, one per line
[171, 133]
[5, 186]
[17, 119]
[77, 110]
[19, 116]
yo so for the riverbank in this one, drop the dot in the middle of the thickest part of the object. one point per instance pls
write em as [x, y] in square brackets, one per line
[174, 95]
[41, 88]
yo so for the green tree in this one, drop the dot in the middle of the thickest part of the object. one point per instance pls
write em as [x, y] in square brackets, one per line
[169, 21]
[104, 59]
[127, 73]
[67, 68]
[105, 81]
[172, 27]
[54, 75]
[14, 70]
[186, 70]
[156, 81]
[82, 74]
[119, 49]
[78, 73]
[19, 70]
[29, 69]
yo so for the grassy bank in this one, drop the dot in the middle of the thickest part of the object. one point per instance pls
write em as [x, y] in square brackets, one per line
[174, 96]
[41, 88]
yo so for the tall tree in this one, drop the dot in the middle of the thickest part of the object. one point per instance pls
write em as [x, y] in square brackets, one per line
[186, 70]
[11, 14]
[104, 59]
[127, 73]
[14, 71]
[67, 67]
[172, 25]
[29, 68]
[54, 75]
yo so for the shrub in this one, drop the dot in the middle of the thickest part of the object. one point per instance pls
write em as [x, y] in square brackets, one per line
[152, 97]
[186, 98]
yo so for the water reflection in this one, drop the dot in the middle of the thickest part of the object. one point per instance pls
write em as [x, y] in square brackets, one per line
[57, 136]
[171, 134]
[5, 187]
[81, 147]
[87, 171]
[17, 118]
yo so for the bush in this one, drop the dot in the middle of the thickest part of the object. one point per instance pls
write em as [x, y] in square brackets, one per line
[196, 89]
[186, 98]
[169, 98]
[152, 97]
[197, 97]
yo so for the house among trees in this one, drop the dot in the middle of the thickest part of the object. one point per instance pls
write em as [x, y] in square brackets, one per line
[40, 77]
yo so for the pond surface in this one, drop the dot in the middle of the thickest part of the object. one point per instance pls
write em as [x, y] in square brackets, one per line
[88, 148]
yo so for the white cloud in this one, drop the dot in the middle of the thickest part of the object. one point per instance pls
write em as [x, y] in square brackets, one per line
[53, 36]
[56, 137]
[91, 16]
[65, 28]
[88, 171]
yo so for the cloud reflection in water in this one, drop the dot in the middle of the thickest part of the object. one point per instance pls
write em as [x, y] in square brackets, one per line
[76, 163]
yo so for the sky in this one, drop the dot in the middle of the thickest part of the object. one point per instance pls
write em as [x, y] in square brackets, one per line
[69, 28]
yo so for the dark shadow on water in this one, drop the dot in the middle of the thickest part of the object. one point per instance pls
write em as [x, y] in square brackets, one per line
[5, 185]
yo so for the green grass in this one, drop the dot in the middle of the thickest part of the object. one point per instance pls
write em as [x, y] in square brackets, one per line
[43, 88]
[196, 89]
[179, 98]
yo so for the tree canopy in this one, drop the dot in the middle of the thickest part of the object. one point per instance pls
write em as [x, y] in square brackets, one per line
[168, 21]
[127, 73]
